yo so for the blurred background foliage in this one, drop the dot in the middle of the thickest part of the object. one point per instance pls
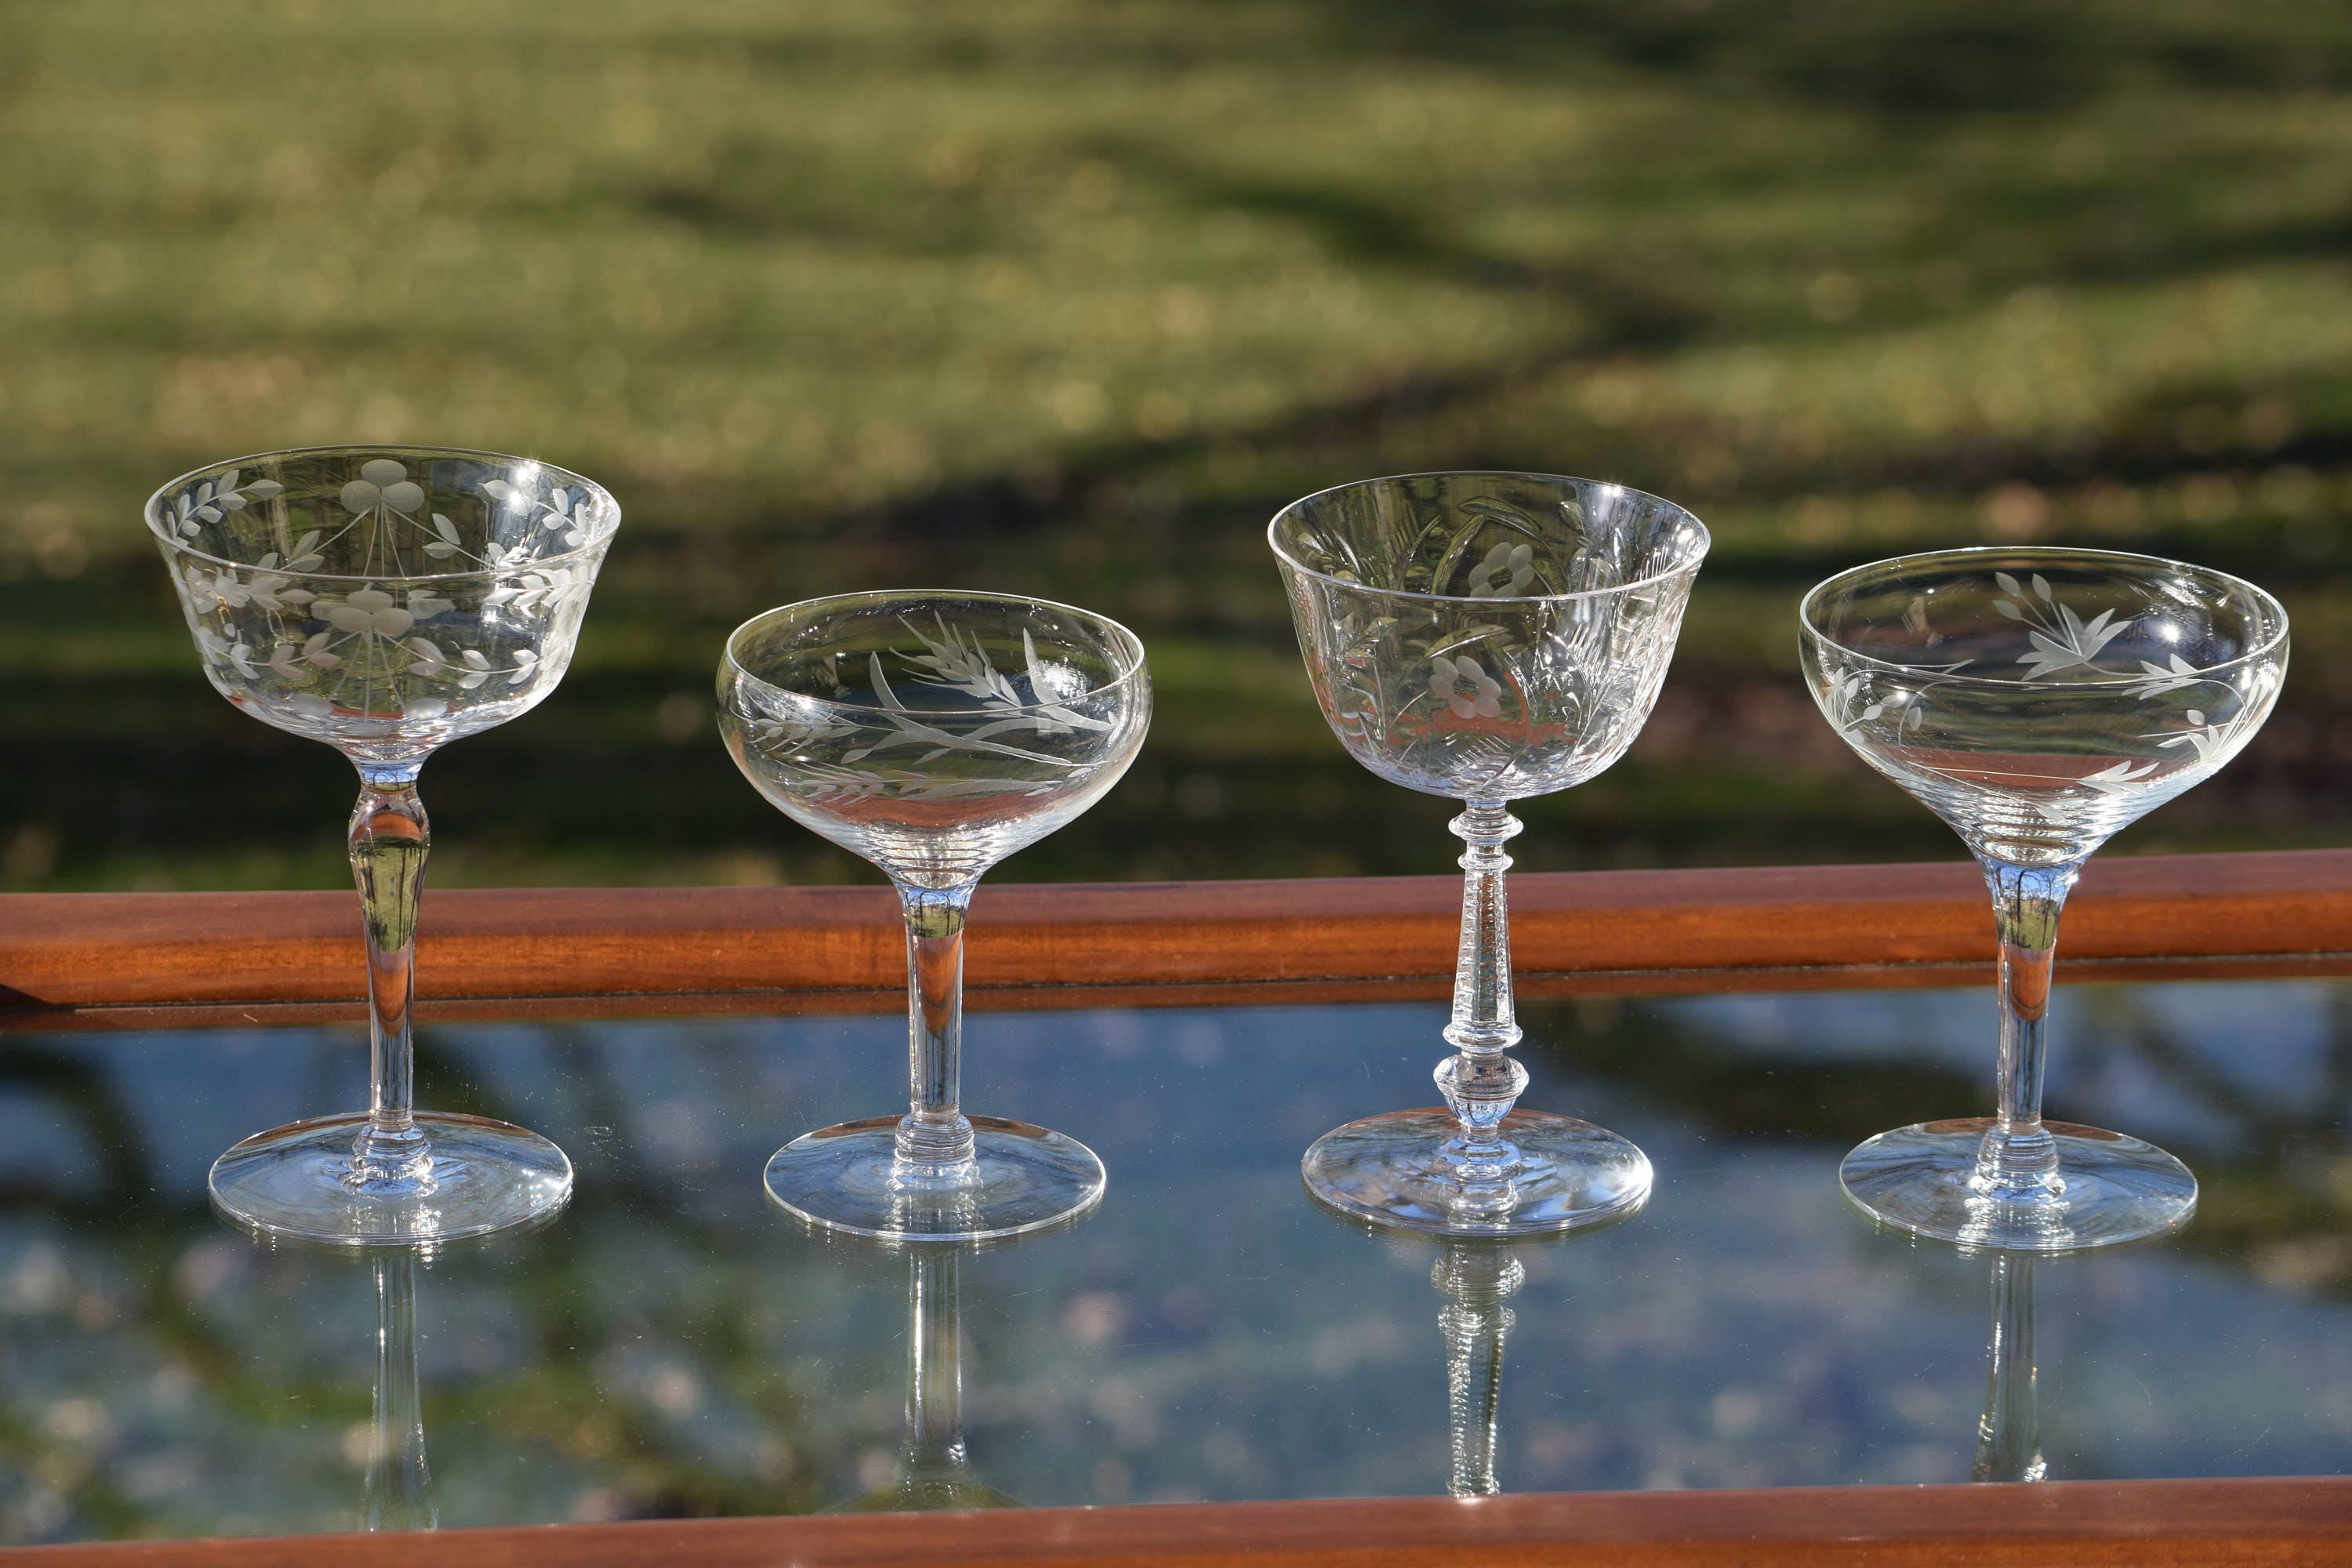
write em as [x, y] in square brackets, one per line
[1068, 296]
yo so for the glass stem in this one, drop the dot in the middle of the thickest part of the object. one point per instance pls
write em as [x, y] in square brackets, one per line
[2018, 1161]
[399, 1486]
[934, 1134]
[1479, 1082]
[1476, 1281]
[935, 1442]
[389, 838]
[2009, 1438]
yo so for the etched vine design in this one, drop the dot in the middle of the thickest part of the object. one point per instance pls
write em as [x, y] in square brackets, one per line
[949, 661]
[2061, 641]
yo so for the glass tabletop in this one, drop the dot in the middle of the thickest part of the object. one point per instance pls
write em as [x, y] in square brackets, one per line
[671, 1345]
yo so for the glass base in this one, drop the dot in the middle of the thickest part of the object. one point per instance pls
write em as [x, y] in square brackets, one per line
[1021, 1178]
[1386, 1170]
[2118, 1189]
[485, 1175]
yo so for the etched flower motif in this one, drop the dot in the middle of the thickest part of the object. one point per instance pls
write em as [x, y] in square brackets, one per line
[1464, 687]
[2062, 639]
[382, 484]
[1506, 571]
[368, 612]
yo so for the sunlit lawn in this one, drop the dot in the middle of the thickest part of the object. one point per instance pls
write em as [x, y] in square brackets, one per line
[1069, 297]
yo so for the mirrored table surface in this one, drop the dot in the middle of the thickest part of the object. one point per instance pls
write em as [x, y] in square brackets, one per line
[673, 1346]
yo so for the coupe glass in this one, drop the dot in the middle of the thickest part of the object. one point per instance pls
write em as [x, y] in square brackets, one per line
[386, 600]
[2036, 700]
[933, 733]
[1486, 637]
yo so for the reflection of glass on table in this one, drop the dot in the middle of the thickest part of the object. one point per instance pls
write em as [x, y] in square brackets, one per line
[934, 1462]
[2009, 1434]
[399, 1483]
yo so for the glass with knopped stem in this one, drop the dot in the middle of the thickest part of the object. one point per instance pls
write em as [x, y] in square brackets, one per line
[2039, 700]
[933, 733]
[1486, 637]
[386, 600]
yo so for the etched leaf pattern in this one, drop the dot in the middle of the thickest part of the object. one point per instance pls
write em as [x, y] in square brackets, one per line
[2060, 643]
[322, 649]
[995, 714]
[1497, 682]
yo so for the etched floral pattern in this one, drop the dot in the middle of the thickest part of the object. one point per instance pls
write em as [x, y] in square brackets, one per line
[1962, 736]
[1482, 645]
[420, 624]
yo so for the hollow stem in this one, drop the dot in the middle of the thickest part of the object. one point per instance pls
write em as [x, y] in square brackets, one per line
[1476, 1281]
[399, 1486]
[389, 838]
[2018, 1162]
[934, 1142]
[1479, 1082]
[2008, 1436]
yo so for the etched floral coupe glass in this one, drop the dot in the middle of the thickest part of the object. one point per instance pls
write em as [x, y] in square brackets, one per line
[386, 600]
[933, 733]
[2037, 700]
[1486, 637]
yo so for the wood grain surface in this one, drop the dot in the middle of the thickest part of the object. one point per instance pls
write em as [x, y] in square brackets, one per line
[641, 949]
[2082, 1524]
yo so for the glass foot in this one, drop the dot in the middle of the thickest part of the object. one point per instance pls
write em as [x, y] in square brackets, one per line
[485, 1175]
[847, 1177]
[2118, 1189]
[1387, 1169]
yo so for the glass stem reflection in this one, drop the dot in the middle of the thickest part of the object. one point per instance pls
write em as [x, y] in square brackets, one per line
[934, 1440]
[1476, 1280]
[389, 838]
[1479, 1082]
[2019, 1160]
[399, 1486]
[935, 1141]
[2009, 1438]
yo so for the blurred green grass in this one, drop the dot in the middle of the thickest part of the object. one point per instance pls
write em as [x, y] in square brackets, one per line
[1068, 296]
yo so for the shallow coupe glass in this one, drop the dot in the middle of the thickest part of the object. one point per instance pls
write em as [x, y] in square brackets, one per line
[933, 733]
[2037, 700]
[386, 600]
[1486, 637]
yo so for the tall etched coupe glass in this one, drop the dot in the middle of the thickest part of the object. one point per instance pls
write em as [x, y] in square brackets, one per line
[933, 733]
[386, 600]
[1486, 637]
[2037, 700]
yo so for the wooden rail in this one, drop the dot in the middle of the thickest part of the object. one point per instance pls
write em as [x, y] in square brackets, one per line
[2107, 1524]
[719, 949]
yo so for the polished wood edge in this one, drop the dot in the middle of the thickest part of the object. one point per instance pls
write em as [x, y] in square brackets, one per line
[656, 1005]
[2148, 1524]
[99, 950]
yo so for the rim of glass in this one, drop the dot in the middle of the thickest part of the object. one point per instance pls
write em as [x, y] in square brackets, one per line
[2261, 596]
[1705, 538]
[609, 507]
[1128, 643]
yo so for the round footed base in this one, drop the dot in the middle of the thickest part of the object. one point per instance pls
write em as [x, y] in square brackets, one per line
[485, 1175]
[1021, 1178]
[1387, 1169]
[2118, 1189]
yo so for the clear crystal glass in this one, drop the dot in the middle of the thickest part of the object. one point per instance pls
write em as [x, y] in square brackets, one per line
[2037, 700]
[933, 733]
[1484, 638]
[386, 600]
